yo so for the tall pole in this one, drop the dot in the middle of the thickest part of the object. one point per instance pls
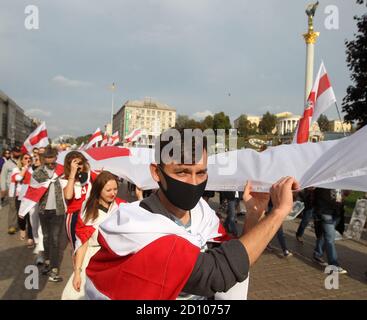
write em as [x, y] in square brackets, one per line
[113, 91]
[310, 38]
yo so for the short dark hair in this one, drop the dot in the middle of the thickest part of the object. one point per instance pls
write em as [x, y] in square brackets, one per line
[49, 153]
[184, 146]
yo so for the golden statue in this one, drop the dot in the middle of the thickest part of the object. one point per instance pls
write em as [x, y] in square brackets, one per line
[310, 11]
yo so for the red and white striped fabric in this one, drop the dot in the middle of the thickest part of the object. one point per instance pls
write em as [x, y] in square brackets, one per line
[94, 139]
[83, 231]
[320, 99]
[36, 191]
[148, 256]
[114, 139]
[37, 139]
[105, 140]
[133, 135]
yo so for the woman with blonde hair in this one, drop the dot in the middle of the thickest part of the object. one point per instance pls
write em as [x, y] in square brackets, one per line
[17, 180]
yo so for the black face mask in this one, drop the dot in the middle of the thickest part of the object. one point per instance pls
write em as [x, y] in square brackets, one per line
[182, 195]
[82, 177]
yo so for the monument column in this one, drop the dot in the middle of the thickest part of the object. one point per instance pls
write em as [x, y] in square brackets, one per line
[310, 39]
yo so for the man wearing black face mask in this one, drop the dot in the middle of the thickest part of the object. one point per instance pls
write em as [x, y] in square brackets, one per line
[6, 171]
[157, 248]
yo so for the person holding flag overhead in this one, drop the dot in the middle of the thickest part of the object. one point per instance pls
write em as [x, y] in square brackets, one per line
[159, 248]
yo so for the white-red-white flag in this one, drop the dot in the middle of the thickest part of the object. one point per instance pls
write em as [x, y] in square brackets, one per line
[105, 140]
[320, 99]
[37, 139]
[114, 139]
[133, 135]
[94, 139]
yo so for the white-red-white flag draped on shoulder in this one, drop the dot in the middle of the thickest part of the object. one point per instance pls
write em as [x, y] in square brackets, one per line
[94, 139]
[320, 99]
[148, 256]
[36, 190]
[37, 139]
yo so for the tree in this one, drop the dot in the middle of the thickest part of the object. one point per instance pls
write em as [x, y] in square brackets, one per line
[181, 121]
[221, 121]
[207, 123]
[324, 123]
[355, 102]
[245, 127]
[81, 139]
[267, 123]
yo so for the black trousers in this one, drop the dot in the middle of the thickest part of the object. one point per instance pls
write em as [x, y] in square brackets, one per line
[52, 225]
[24, 223]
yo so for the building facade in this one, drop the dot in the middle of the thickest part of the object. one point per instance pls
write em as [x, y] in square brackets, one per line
[15, 126]
[339, 126]
[152, 117]
[286, 123]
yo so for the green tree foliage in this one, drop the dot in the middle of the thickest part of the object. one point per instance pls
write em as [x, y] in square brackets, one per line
[355, 102]
[267, 123]
[324, 123]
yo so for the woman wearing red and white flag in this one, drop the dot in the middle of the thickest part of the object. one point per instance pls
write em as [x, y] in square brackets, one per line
[77, 184]
[19, 176]
[98, 207]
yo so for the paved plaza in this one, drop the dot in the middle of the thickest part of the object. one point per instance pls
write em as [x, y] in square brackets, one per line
[273, 276]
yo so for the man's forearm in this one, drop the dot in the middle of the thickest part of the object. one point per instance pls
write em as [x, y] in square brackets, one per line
[251, 220]
[257, 238]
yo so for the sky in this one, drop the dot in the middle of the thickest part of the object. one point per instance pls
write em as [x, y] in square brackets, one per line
[198, 56]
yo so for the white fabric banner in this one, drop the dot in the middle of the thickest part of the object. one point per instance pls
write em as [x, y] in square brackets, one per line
[339, 164]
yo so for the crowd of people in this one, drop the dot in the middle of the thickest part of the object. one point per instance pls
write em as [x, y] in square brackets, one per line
[111, 240]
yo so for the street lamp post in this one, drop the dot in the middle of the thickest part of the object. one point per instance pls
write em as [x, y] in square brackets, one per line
[112, 106]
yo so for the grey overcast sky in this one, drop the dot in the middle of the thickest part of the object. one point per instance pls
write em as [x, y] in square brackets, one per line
[199, 56]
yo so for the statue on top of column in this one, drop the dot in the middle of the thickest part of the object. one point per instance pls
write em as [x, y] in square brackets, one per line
[310, 11]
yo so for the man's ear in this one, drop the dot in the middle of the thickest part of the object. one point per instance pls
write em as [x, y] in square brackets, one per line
[154, 172]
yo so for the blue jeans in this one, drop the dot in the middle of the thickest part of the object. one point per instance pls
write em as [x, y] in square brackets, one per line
[307, 215]
[326, 240]
[230, 222]
[281, 238]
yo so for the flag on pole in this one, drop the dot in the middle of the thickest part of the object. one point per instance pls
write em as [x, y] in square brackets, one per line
[320, 99]
[133, 135]
[94, 139]
[105, 140]
[37, 139]
[114, 139]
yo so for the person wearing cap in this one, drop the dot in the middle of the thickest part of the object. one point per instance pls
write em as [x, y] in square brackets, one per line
[6, 171]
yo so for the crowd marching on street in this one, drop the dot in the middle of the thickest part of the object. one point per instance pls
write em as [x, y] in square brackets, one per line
[115, 244]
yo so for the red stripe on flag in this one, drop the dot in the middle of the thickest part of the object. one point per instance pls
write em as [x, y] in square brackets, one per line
[108, 152]
[324, 84]
[35, 194]
[158, 271]
[34, 140]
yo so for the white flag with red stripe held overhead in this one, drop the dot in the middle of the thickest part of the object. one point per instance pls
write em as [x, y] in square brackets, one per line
[37, 139]
[94, 139]
[114, 139]
[105, 140]
[320, 99]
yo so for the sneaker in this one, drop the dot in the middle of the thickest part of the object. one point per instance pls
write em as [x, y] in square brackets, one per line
[299, 239]
[287, 253]
[12, 230]
[46, 269]
[54, 276]
[341, 270]
[319, 261]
